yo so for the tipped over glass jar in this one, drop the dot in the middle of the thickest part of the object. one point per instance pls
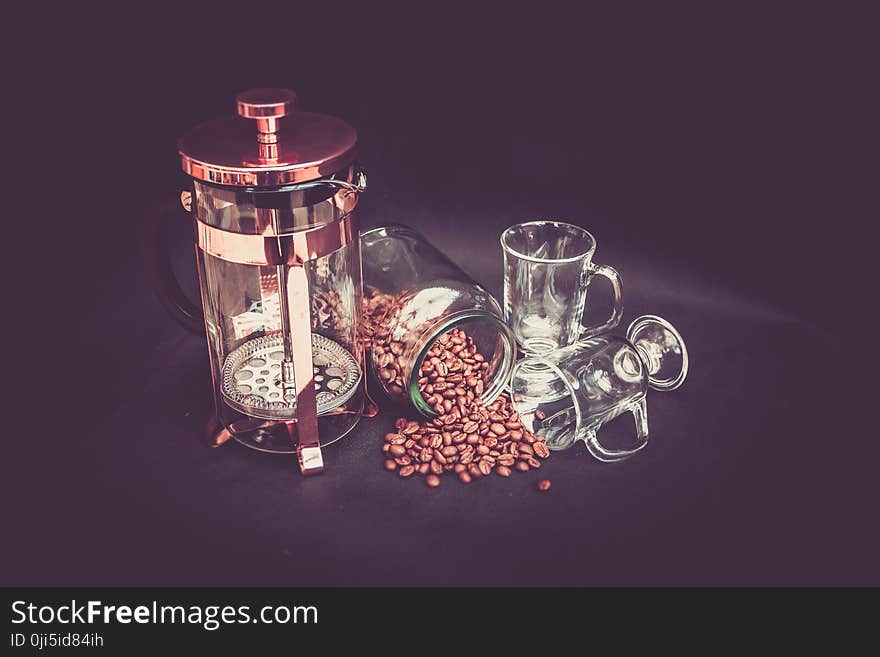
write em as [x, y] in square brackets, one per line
[414, 295]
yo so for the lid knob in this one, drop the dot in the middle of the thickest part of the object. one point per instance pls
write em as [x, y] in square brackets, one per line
[266, 106]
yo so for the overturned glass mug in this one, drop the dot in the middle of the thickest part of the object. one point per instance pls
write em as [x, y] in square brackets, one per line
[567, 394]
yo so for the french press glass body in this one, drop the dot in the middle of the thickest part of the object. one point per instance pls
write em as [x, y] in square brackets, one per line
[274, 198]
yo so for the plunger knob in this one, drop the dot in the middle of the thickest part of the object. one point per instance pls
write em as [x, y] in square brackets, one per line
[266, 106]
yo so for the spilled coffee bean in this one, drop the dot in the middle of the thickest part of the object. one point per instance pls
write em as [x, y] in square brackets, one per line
[466, 438]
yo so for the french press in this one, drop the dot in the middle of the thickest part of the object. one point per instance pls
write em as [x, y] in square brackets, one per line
[274, 195]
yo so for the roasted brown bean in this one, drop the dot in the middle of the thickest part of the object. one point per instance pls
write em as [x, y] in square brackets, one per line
[506, 459]
[541, 449]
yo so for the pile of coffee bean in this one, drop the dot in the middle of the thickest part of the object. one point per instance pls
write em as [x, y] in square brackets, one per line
[453, 375]
[381, 312]
[466, 438]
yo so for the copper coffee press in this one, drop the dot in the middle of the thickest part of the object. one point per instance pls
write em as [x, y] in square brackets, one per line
[274, 195]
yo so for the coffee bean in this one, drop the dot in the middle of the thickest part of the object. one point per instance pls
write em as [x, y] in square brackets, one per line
[406, 470]
[544, 484]
[466, 437]
[397, 450]
[432, 480]
[390, 465]
[533, 462]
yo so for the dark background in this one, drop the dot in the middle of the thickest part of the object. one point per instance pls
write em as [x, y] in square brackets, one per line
[718, 156]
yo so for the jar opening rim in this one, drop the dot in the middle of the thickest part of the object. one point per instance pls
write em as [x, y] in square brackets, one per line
[507, 363]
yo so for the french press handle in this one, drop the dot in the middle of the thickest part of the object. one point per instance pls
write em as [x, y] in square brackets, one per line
[157, 259]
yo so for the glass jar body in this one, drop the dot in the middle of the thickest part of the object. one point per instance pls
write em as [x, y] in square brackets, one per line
[414, 295]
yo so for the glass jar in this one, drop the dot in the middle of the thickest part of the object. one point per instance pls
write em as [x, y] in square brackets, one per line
[413, 295]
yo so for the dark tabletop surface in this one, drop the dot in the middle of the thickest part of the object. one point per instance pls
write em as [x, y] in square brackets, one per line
[697, 162]
[733, 488]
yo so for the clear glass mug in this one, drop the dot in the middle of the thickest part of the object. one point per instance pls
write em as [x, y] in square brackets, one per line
[568, 394]
[548, 267]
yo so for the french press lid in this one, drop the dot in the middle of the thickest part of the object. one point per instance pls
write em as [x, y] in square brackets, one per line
[268, 144]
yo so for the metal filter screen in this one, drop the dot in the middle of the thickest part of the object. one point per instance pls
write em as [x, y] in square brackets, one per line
[252, 377]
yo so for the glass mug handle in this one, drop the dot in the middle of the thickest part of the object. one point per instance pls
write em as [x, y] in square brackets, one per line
[640, 415]
[617, 304]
